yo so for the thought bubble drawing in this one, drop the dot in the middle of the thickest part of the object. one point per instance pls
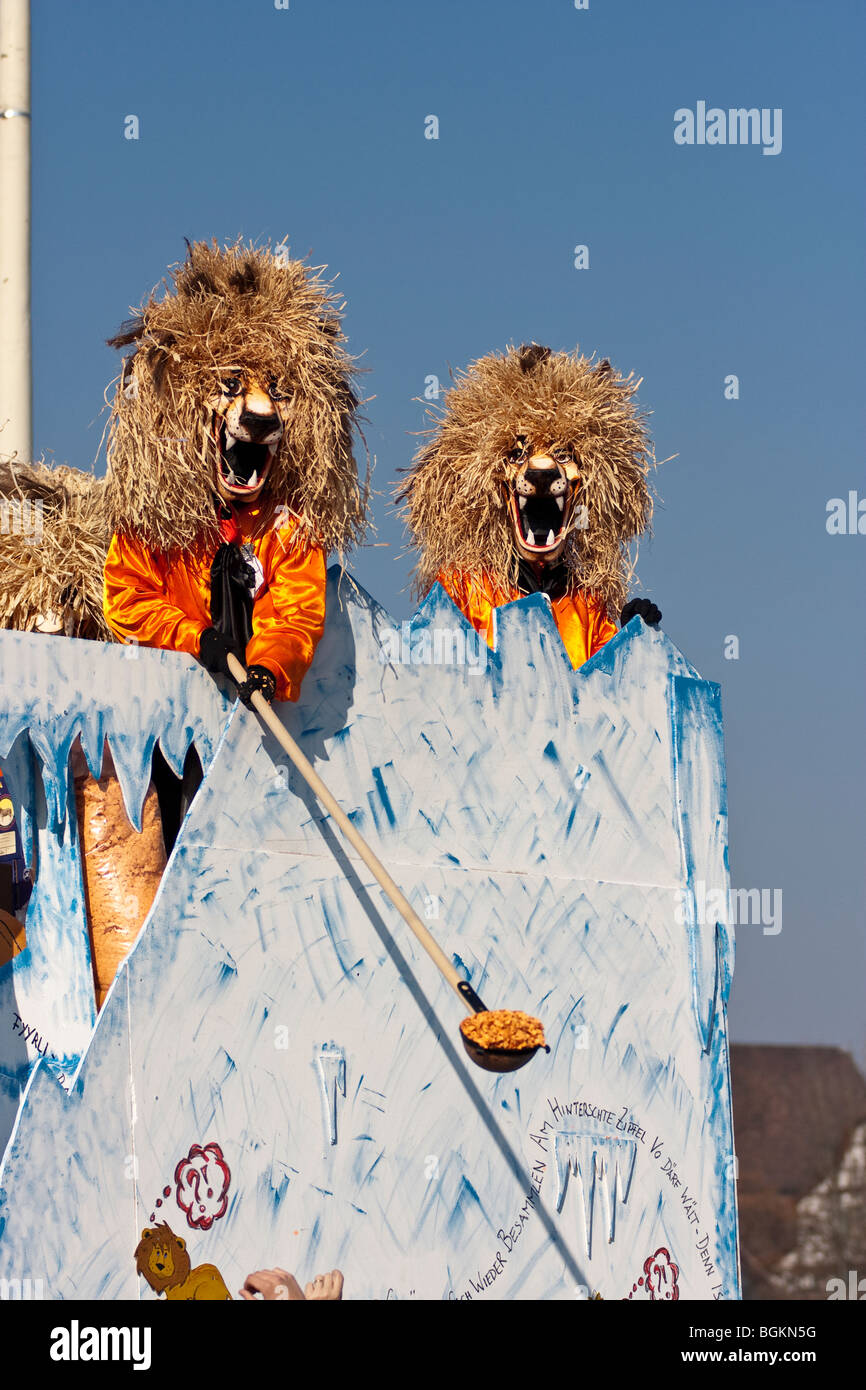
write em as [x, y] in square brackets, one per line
[661, 1276]
[166, 1192]
[202, 1180]
[660, 1279]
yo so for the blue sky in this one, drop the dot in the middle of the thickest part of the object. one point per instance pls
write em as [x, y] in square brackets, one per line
[555, 129]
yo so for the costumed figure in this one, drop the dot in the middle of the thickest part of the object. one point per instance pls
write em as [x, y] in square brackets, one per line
[53, 541]
[534, 479]
[231, 472]
[230, 475]
[54, 538]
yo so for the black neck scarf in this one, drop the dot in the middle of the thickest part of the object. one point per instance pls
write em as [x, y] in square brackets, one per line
[552, 581]
[232, 582]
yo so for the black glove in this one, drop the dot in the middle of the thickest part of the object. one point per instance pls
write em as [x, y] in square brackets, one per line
[214, 649]
[647, 609]
[213, 652]
[258, 678]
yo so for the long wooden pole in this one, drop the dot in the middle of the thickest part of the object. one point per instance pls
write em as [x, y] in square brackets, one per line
[358, 843]
[16, 387]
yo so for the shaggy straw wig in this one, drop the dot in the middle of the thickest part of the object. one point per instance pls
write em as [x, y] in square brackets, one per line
[456, 496]
[273, 316]
[53, 541]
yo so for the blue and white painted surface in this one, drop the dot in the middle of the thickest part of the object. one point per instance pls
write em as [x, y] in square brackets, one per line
[53, 690]
[562, 833]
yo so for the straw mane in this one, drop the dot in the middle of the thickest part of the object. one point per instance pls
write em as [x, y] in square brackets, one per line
[228, 307]
[455, 495]
[53, 541]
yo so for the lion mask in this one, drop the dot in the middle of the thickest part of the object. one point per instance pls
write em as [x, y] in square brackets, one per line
[53, 542]
[537, 456]
[239, 387]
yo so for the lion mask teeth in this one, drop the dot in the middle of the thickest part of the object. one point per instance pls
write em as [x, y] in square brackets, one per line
[539, 521]
[243, 464]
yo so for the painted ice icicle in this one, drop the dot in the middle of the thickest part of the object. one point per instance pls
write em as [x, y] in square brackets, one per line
[560, 822]
[53, 689]
[331, 1065]
[601, 1167]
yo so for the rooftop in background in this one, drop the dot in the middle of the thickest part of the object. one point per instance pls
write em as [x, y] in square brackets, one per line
[799, 1113]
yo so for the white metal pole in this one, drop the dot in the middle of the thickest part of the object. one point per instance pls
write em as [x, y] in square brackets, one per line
[16, 385]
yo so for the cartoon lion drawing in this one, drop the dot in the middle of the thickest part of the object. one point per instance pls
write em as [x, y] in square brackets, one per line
[162, 1259]
[535, 479]
[53, 541]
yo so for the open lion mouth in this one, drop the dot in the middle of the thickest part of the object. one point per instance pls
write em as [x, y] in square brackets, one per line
[540, 522]
[243, 464]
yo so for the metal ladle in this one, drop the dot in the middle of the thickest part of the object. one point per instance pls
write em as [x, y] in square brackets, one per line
[488, 1058]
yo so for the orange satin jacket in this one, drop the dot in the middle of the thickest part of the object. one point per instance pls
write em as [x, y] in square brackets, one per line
[583, 625]
[160, 604]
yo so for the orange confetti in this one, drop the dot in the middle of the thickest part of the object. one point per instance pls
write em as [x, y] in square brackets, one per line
[506, 1029]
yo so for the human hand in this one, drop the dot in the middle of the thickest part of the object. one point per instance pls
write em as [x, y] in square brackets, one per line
[325, 1287]
[213, 652]
[272, 1284]
[650, 613]
[258, 678]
